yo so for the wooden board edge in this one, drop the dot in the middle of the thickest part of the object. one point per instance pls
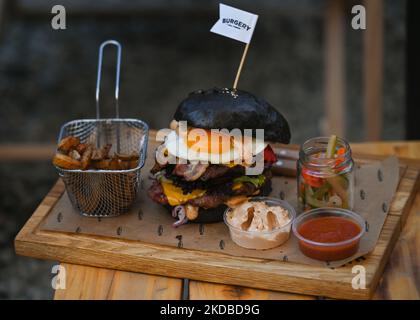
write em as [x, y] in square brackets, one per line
[387, 239]
[385, 257]
[407, 189]
[278, 277]
[42, 210]
[406, 210]
[318, 287]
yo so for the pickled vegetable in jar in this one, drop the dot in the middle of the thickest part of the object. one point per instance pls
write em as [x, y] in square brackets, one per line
[325, 175]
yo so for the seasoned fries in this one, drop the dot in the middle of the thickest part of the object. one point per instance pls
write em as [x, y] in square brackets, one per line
[99, 154]
[102, 164]
[128, 157]
[81, 147]
[87, 155]
[68, 143]
[66, 162]
[73, 155]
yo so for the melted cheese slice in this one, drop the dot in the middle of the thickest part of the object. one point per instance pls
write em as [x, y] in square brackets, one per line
[237, 185]
[231, 164]
[176, 196]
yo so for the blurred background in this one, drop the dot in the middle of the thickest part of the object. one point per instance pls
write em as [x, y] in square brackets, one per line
[305, 59]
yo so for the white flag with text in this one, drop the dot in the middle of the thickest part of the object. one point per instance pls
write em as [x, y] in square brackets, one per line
[234, 23]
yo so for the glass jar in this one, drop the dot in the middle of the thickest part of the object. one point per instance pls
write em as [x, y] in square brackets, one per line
[322, 181]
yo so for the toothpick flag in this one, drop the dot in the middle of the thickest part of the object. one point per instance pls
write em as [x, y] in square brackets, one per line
[236, 24]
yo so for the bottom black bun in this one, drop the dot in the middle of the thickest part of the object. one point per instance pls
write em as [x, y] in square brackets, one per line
[213, 215]
[210, 215]
[207, 215]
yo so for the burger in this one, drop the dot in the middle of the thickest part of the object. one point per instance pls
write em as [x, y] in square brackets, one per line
[205, 162]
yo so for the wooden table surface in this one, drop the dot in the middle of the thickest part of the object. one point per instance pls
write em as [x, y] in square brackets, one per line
[401, 278]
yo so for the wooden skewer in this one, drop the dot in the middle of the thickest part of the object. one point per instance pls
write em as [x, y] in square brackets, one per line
[238, 73]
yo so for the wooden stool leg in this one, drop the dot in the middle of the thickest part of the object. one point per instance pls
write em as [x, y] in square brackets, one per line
[373, 69]
[412, 70]
[334, 69]
[2, 12]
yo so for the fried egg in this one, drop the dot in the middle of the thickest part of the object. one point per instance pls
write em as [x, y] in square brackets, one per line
[215, 147]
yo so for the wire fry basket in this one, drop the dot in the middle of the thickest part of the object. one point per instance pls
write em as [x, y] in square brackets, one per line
[106, 193]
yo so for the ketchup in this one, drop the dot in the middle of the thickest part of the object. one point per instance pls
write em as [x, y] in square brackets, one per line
[329, 230]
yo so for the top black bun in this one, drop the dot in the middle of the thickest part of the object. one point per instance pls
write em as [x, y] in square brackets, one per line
[227, 108]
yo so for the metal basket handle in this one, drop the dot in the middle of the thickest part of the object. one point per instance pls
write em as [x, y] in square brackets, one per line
[117, 76]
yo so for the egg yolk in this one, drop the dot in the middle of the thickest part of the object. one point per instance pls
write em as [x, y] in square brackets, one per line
[206, 141]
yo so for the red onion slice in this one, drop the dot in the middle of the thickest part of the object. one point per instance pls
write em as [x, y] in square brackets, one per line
[179, 212]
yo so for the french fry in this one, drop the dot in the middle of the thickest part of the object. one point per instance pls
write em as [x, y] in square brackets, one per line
[105, 150]
[74, 154]
[102, 153]
[96, 155]
[127, 161]
[114, 164]
[101, 164]
[86, 157]
[68, 143]
[133, 164]
[127, 157]
[123, 165]
[65, 162]
[81, 148]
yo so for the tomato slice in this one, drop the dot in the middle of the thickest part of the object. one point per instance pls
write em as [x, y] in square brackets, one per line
[269, 155]
[312, 180]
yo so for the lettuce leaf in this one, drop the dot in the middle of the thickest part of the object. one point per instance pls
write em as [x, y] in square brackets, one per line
[257, 181]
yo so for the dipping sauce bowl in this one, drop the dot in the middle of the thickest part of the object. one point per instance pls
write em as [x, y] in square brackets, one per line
[329, 234]
[264, 238]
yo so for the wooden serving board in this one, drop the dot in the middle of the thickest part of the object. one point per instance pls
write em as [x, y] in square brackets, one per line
[129, 255]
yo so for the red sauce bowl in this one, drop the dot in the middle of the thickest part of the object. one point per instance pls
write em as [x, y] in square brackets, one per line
[329, 234]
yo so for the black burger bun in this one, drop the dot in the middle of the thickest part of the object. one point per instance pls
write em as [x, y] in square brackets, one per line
[227, 108]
